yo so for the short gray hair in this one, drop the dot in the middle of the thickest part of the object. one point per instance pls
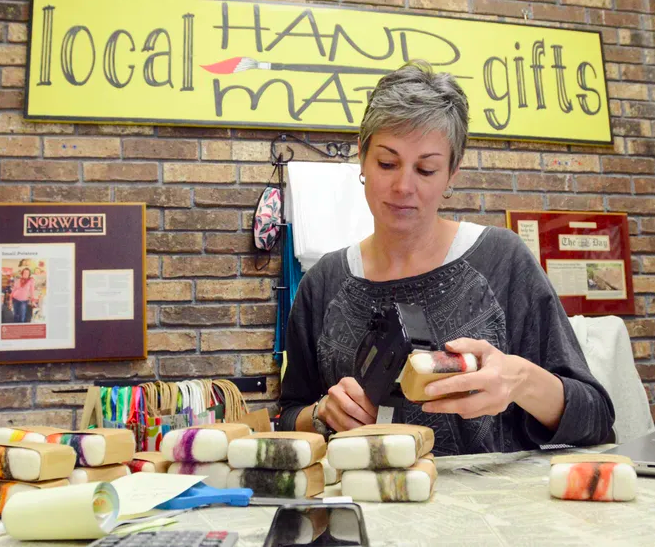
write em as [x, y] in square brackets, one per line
[414, 97]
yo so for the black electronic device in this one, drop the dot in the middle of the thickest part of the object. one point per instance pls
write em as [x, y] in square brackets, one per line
[394, 332]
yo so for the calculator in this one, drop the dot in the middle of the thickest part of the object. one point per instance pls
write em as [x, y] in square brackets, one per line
[169, 538]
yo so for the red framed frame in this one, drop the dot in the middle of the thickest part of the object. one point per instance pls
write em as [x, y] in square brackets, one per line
[609, 230]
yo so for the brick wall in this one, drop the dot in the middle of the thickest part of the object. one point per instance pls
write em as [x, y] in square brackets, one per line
[210, 313]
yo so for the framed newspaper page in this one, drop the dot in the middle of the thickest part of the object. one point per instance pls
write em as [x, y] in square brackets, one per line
[73, 282]
[586, 256]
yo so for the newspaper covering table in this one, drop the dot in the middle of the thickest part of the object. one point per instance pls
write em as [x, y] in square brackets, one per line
[480, 500]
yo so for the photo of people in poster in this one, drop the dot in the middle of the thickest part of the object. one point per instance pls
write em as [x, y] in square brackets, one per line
[38, 296]
[23, 291]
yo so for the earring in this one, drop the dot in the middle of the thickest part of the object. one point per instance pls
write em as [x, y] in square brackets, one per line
[448, 193]
[362, 178]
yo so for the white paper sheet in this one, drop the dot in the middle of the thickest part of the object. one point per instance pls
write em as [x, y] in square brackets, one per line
[107, 295]
[140, 492]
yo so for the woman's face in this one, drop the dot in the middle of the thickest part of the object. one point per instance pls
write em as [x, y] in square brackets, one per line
[25, 273]
[406, 177]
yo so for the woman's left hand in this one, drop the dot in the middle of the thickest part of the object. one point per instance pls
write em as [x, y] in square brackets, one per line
[497, 383]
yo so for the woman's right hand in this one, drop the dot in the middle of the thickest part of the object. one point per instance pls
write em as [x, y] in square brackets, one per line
[346, 406]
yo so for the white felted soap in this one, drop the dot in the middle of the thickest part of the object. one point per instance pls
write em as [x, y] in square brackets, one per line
[194, 445]
[21, 464]
[390, 485]
[28, 462]
[91, 451]
[332, 475]
[201, 444]
[216, 472]
[372, 452]
[430, 362]
[10, 435]
[593, 481]
[104, 473]
[90, 448]
[277, 450]
[149, 462]
[27, 433]
[97, 447]
[267, 482]
[286, 484]
[140, 466]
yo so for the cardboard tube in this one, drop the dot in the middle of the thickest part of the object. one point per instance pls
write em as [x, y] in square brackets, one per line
[83, 511]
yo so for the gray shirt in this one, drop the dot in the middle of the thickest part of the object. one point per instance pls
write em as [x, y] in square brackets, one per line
[495, 291]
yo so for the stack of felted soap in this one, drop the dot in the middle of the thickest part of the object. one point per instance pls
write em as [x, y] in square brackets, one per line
[28, 465]
[100, 453]
[385, 462]
[202, 450]
[283, 464]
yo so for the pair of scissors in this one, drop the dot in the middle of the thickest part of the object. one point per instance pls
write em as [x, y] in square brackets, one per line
[201, 494]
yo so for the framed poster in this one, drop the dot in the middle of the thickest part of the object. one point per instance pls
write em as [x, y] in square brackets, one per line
[73, 282]
[586, 256]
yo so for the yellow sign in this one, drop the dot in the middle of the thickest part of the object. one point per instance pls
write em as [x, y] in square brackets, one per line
[245, 64]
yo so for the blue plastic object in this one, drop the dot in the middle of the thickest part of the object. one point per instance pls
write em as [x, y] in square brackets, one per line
[201, 494]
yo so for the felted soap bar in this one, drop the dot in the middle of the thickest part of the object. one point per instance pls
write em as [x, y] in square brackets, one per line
[9, 488]
[284, 450]
[216, 472]
[593, 477]
[379, 446]
[286, 484]
[413, 484]
[425, 367]
[149, 462]
[331, 475]
[201, 443]
[28, 433]
[96, 447]
[105, 473]
[26, 461]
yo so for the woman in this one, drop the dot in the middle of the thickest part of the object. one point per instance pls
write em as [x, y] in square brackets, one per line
[22, 294]
[481, 289]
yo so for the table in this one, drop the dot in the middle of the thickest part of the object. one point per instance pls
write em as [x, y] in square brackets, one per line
[479, 500]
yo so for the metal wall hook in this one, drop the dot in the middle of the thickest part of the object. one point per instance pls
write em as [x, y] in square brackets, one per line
[278, 158]
[332, 149]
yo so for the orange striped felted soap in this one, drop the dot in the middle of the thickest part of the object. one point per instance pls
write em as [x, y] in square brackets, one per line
[593, 477]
